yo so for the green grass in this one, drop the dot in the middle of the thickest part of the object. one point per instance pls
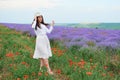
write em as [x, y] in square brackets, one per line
[75, 63]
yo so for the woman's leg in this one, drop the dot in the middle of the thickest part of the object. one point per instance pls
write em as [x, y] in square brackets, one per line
[46, 62]
[41, 63]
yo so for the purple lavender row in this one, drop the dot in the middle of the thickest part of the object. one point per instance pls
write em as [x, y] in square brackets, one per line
[87, 37]
[84, 37]
[20, 27]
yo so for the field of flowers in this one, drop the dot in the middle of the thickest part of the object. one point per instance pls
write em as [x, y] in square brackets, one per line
[84, 37]
[78, 54]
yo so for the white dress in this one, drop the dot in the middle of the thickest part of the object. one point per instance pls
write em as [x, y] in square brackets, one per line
[42, 47]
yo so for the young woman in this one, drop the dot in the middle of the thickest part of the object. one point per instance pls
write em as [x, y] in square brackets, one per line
[42, 48]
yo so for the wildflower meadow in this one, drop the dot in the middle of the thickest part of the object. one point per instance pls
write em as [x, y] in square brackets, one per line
[78, 54]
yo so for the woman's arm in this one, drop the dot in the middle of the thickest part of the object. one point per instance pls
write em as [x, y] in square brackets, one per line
[34, 24]
[51, 28]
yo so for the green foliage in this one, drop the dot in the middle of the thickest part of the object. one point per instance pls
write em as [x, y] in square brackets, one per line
[74, 63]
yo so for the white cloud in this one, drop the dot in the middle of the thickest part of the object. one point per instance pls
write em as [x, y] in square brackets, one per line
[16, 4]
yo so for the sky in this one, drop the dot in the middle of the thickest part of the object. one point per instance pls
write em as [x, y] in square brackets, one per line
[61, 11]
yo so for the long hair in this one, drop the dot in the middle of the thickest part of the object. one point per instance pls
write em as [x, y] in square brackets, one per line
[38, 23]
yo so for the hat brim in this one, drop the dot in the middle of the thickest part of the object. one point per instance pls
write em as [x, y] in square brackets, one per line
[38, 14]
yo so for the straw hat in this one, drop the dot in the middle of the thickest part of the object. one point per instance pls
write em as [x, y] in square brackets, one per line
[37, 14]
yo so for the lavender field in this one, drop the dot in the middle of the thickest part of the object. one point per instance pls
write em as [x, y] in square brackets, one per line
[71, 36]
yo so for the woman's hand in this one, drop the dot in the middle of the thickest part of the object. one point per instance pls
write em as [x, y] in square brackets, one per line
[52, 24]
